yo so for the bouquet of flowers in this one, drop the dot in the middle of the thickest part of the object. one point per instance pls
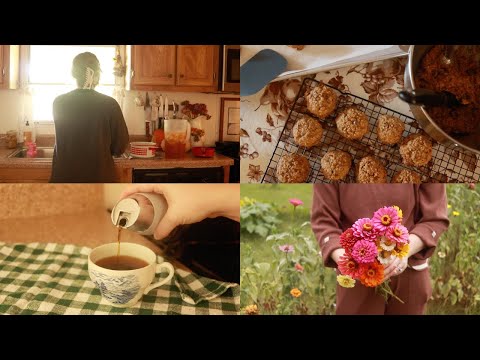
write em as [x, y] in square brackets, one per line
[371, 244]
[191, 111]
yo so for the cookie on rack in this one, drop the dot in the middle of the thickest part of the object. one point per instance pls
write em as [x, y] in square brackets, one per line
[297, 47]
[352, 123]
[416, 150]
[370, 170]
[336, 164]
[406, 177]
[389, 129]
[293, 168]
[321, 101]
[307, 131]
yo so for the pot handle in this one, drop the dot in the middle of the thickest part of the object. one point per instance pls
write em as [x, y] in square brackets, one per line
[428, 97]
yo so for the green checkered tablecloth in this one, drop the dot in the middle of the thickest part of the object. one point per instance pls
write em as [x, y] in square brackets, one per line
[53, 279]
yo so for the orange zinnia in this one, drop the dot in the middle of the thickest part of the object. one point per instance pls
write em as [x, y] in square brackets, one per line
[295, 292]
[371, 275]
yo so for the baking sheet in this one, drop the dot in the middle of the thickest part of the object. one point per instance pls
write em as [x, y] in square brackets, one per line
[316, 58]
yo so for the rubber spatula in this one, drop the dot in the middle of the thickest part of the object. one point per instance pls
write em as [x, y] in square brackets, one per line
[262, 68]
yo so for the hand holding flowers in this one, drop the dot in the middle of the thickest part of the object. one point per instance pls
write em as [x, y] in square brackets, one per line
[375, 249]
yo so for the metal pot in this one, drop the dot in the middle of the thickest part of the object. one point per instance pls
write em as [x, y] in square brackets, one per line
[428, 124]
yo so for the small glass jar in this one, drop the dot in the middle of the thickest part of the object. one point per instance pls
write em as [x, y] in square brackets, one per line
[11, 139]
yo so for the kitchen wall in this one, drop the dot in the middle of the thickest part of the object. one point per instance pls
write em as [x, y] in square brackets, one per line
[32, 200]
[11, 107]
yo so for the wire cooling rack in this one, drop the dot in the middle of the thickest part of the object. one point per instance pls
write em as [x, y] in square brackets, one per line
[448, 164]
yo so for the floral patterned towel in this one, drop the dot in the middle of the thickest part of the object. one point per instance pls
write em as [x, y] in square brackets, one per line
[263, 115]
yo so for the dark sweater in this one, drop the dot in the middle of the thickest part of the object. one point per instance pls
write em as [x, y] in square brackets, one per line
[89, 129]
[337, 206]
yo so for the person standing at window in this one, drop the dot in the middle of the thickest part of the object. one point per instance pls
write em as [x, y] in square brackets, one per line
[89, 127]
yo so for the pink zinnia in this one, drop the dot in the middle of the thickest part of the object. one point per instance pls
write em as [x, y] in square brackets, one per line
[385, 218]
[286, 248]
[295, 202]
[364, 229]
[364, 251]
[399, 234]
[348, 266]
[299, 267]
[347, 240]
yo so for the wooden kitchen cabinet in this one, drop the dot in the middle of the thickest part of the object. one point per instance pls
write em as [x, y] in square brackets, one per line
[188, 68]
[123, 174]
[9, 66]
[42, 175]
[153, 65]
[196, 65]
[25, 175]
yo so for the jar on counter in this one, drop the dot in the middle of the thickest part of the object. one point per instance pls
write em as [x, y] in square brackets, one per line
[11, 139]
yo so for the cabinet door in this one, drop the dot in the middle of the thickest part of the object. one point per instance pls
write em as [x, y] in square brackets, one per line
[197, 65]
[153, 65]
[24, 175]
[2, 66]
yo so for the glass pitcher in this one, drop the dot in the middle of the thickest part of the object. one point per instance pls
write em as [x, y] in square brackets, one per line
[177, 133]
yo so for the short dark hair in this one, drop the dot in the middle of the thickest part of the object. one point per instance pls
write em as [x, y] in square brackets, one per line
[80, 64]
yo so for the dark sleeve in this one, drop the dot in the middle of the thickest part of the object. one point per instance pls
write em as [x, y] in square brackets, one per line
[432, 220]
[56, 107]
[325, 220]
[119, 130]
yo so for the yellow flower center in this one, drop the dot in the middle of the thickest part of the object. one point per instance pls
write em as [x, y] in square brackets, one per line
[386, 220]
[397, 232]
[371, 273]
[351, 265]
[367, 227]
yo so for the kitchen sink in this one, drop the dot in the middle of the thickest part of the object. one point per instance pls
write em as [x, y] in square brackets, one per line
[42, 153]
[47, 153]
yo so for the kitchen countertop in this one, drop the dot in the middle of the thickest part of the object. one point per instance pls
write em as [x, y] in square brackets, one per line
[159, 162]
[83, 229]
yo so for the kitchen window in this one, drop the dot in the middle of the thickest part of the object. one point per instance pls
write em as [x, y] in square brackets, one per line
[49, 74]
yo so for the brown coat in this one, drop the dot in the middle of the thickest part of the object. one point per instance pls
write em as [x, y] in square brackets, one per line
[337, 206]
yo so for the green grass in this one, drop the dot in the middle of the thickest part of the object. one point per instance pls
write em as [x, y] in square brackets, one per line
[456, 288]
[279, 195]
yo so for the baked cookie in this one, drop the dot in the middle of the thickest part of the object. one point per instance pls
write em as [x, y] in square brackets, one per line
[352, 123]
[293, 168]
[389, 129]
[416, 150]
[406, 177]
[321, 101]
[297, 47]
[307, 131]
[370, 170]
[336, 164]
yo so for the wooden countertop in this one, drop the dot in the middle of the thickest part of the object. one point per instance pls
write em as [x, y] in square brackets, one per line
[158, 162]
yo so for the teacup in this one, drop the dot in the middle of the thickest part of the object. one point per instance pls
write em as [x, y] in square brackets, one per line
[124, 288]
